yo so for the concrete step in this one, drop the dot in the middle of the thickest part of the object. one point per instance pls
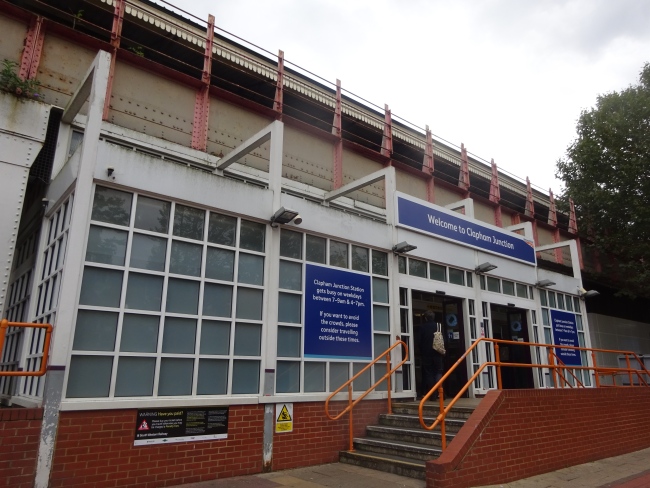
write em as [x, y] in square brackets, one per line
[413, 422]
[383, 462]
[414, 436]
[432, 409]
[403, 449]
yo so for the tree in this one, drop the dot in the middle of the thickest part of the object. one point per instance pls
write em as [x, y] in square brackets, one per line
[607, 173]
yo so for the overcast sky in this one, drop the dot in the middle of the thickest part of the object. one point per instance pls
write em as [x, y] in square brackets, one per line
[508, 78]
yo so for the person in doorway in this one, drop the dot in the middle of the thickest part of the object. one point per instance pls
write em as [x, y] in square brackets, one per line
[432, 361]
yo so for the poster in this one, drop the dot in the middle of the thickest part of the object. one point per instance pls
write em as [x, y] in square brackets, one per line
[565, 332]
[283, 417]
[169, 425]
[338, 310]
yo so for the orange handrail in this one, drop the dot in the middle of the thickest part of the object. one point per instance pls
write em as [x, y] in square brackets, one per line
[498, 364]
[5, 324]
[351, 404]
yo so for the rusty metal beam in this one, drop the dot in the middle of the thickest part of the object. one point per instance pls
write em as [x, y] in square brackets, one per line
[31, 56]
[495, 194]
[279, 87]
[427, 166]
[530, 206]
[387, 139]
[116, 35]
[202, 101]
[338, 145]
[573, 224]
[463, 177]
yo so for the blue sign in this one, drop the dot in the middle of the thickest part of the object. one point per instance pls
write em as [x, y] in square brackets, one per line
[565, 333]
[338, 306]
[454, 227]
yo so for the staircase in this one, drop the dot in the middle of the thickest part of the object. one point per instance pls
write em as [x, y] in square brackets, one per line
[400, 445]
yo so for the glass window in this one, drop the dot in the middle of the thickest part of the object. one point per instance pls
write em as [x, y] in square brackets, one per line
[148, 252]
[139, 333]
[248, 339]
[470, 279]
[112, 206]
[175, 376]
[215, 337]
[315, 249]
[217, 300]
[482, 282]
[288, 376]
[545, 318]
[289, 342]
[360, 258]
[382, 342]
[182, 296]
[89, 377]
[213, 377]
[338, 254]
[508, 287]
[219, 264]
[188, 222]
[252, 236]
[101, 287]
[401, 264]
[560, 301]
[576, 304]
[290, 244]
[339, 374]
[314, 377]
[222, 229]
[289, 308]
[542, 298]
[569, 304]
[551, 299]
[522, 290]
[135, 376]
[251, 269]
[362, 383]
[493, 284]
[456, 276]
[379, 263]
[95, 331]
[379, 290]
[245, 376]
[152, 215]
[290, 275]
[380, 318]
[106, 246]
[417, 268]
[249, 303]
[144, 292]
[437, 272]
[185, 258]
[579, 322]
[179, 335]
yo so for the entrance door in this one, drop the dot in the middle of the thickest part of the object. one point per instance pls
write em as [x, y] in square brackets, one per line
[449, 314]
[510, 324]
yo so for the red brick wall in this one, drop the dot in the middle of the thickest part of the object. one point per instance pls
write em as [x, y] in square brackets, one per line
[20, 429]
[520, 433]
[316, 439]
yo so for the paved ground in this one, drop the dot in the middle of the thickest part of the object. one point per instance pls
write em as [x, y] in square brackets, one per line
[627, 471]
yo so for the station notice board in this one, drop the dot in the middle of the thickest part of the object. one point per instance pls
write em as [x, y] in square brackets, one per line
[169, 425]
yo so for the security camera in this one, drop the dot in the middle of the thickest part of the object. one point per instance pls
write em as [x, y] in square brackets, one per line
[297, 220]
[109, 171]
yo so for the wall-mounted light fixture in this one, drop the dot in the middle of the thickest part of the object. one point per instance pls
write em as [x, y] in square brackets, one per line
[109, 171]
[403, 247]
[440, 292]
[485, 267]
[284, 216]
[587, 293]
[544, 283]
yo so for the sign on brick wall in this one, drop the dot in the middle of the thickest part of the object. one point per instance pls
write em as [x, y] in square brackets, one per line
[169, 425]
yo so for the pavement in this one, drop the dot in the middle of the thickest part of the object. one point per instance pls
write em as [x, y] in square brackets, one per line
[626, 471]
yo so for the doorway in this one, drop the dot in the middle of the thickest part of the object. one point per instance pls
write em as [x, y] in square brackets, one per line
[510, 324]
[449, 315]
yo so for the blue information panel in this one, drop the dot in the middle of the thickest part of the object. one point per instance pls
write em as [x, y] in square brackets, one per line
[565, 332]
[337, 314]
[453, 226]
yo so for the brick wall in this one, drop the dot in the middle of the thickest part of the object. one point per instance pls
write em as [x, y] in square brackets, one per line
[514, 434]
[20, 429]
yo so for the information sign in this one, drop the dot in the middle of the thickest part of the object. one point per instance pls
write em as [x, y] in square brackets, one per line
[565, 333]
[169, 425]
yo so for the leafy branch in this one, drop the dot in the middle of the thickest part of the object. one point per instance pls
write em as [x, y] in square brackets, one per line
[12, 83]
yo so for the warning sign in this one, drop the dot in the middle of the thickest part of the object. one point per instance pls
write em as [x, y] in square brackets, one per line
[143, 425]
[284, 417]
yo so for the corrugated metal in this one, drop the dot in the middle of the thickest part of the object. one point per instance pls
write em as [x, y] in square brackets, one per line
[255, 66]
[310, 91]
[364, 117]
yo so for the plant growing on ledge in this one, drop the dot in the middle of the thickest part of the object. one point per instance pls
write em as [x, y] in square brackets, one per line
[138, 51]
[11, 82]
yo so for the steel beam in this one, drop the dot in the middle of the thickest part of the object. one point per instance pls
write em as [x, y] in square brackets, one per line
[31, 56]
[338, 145]
[202, 101]
[387, 139]
[495, 194]
[530, 206]
[427, 166]
[463, 177]
[355, 185]
[279, 87]
[116, 35]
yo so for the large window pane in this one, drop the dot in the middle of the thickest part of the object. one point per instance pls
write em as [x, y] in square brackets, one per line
[380, 263]
[551, 299]
[185, 258]
[213, 377]
[135, 376]
[314, 377]
[288, 376]
[382, 342]
[456, 276]
[493, 284]
[112, 206]
[250, 269]
[217, 300]
[379, 290]
[360, 258]
[289, 308]
[179, 335]
[252, 236]
[175, 376]
[289, 342]
[417, 268]
[248, 339]
[249, 303]
[315, 249]
[508, 287]
[95, 331]
[338, 254]
[215, 337]
[106, 246]
[222, 229]
[182, 296]
[101, 287]
[219, 264]
[522, 290]
[245, 377]
[362, 383]
[139, 333]
[290, 275]
[148, 252]
[380, 318]
[339, 374]
[437, 272]
[290, 244]
[90, 376]
[151, 214]
[188, 222]
[144, 292]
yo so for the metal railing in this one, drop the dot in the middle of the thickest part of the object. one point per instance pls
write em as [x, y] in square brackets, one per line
[555, 365]
[348, 384]
[4, 326]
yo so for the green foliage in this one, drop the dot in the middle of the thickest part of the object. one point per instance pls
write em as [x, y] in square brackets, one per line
[607, 173]
[11, 82]
[138, 51]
